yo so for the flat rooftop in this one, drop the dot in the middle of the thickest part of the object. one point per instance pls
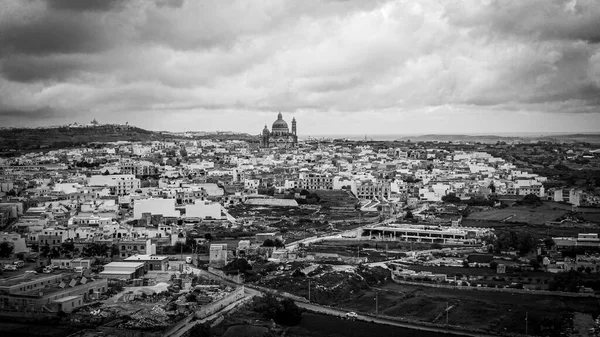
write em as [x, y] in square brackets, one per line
[124, 264]
[146, 258]
[23, 278]
[67, 299]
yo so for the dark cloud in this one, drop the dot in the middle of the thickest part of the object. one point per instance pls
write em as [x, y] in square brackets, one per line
[61, 59]
[84, 5]
[55, 33]
[170, 3]
[16, 116]
[25, 68]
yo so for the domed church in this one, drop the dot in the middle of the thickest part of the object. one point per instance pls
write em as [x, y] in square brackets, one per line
[280, 135]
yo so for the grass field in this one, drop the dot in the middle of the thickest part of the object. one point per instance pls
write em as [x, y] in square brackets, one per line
[538, 231]
[533, 216]
[492, 311]
[316, 325]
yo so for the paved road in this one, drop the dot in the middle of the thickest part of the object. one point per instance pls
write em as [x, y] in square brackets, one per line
[293, 245]
[381, 320]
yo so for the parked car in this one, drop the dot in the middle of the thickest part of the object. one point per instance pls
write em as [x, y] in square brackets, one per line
[351, 315]
[31, 272]
[10, 267]
[19, 264]
[48, 270]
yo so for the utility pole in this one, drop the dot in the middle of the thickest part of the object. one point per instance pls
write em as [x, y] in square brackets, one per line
[376, 303]
[308, 290]
[447, 313]
[526, 323]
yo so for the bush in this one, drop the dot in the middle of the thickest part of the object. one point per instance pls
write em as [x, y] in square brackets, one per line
[190, 298]
[284, 312]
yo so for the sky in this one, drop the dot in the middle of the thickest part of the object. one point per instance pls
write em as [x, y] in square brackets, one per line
[337, 66]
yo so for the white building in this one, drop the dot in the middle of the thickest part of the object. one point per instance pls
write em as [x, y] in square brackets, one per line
[218, 255]
[121, 184]
[203, 210]
[165, 207]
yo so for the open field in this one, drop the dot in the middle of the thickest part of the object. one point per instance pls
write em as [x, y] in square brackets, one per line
[533, 216]
[317, 325]
[491, 311]
[538, 231]
[248, 323]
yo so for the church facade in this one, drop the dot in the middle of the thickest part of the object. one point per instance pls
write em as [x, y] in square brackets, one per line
[280, 135]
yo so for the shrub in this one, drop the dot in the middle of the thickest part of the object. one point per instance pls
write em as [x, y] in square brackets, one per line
[284, 311]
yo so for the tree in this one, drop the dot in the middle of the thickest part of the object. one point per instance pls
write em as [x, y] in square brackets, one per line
[278, 243]
[451, 198]
[6, 249]
[200, 330]
[45, 250]
[566, 281]
[268, 243]
[289, 313]
[238, 264]
[535, 264]
[11, 193]
[530, 200]
[409, 215]
[493, 265]
[114, 250]
[549, 243]
[208, 236]
[67, 248]
[284, 312]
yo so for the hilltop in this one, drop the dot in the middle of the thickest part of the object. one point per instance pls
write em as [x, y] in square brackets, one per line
[22, 139]
[29, 139]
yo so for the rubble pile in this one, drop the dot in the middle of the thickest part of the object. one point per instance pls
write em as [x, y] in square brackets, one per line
[156, 317]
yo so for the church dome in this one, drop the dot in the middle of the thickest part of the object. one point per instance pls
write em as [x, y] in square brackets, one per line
[280, 126]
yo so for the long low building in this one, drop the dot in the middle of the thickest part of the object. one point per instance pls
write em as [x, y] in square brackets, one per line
[49, 293]
[584, 240]
[424, 233]
[151, 262]
[123, 270]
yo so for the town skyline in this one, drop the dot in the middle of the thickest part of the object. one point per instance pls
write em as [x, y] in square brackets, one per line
[382, 67]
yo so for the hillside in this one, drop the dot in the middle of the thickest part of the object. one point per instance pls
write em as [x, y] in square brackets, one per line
[26, 139]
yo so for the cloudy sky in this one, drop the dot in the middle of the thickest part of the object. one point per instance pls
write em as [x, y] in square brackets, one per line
[339, 67]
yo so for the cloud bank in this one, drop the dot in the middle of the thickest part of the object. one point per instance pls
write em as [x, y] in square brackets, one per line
[337, 66]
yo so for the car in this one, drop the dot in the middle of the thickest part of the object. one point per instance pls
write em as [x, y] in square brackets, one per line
[351, 315]
[19, 264]
[48, 270]
[33, 272]
[10, 267]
